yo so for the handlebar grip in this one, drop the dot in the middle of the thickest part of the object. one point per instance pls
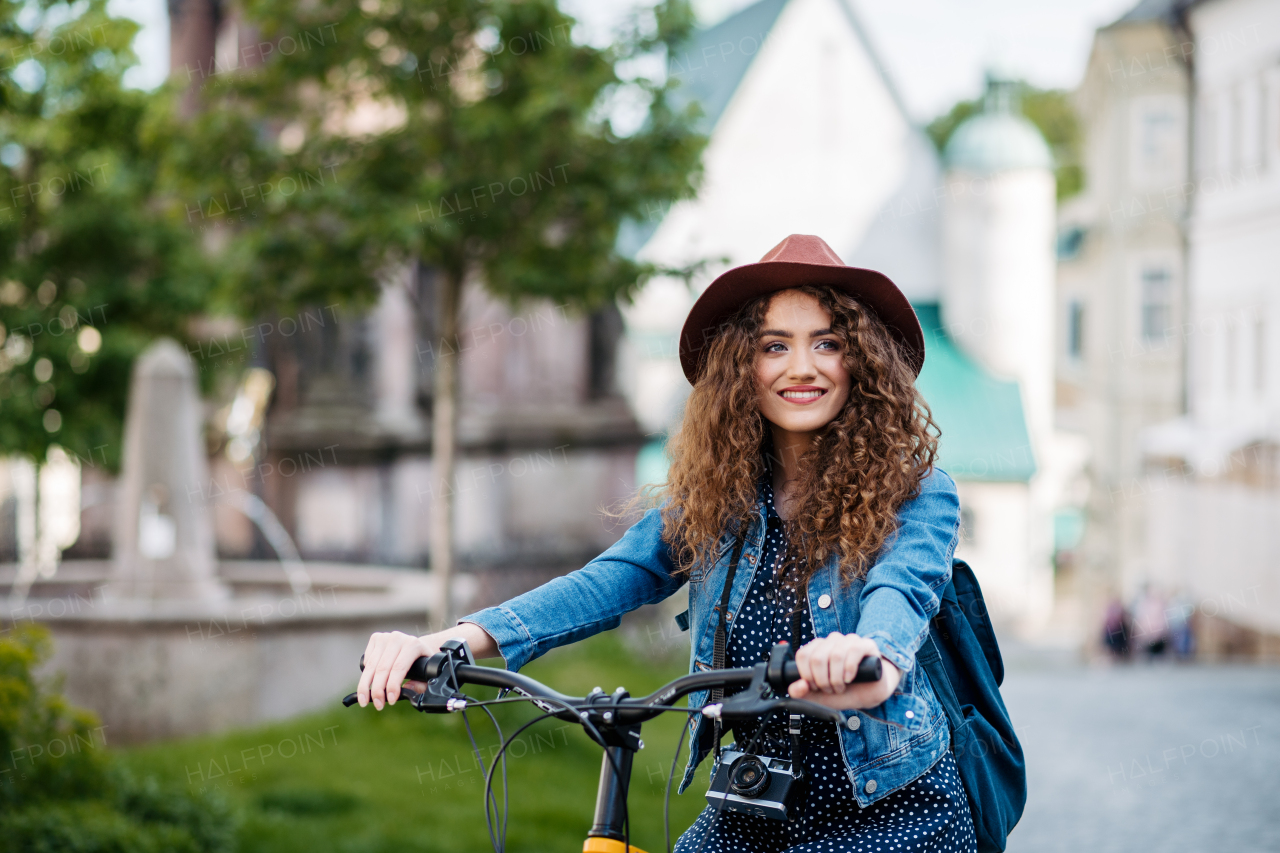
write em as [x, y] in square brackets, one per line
[869, 669]
[417, 672]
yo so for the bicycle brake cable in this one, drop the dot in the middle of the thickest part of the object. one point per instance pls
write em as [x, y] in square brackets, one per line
[506, 811]
[488, 779]
[666, 801]
[599, 738]
[480, 762]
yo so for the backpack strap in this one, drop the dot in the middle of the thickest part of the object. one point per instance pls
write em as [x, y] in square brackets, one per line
[931, 659]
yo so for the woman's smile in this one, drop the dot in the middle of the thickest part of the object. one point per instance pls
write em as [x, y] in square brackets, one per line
[802, 394]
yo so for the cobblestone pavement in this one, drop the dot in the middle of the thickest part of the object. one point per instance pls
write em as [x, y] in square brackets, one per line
[1148, 759]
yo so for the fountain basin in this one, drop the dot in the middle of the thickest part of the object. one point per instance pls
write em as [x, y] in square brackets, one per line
[172, 668]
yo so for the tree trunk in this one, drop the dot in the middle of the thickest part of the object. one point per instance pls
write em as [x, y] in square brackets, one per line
[444, 439]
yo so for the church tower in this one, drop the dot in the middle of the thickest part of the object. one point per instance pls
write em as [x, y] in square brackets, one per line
[998, 250]
[998, 232]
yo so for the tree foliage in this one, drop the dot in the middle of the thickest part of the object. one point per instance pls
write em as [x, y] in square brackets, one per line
[1051, 111]
[91, 267]
[473, 135]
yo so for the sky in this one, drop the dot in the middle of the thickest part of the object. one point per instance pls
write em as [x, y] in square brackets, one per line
[936, 50]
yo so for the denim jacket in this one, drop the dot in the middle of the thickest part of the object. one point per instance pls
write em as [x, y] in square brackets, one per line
[885, 748]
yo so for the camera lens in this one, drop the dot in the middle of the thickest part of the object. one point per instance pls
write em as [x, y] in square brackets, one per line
[749, 777]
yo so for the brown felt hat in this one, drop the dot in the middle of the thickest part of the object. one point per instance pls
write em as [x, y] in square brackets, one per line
[798, 260]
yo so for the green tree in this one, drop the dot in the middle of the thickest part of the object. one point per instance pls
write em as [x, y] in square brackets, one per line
[475, 136]
[91, 267]
[1051, 111]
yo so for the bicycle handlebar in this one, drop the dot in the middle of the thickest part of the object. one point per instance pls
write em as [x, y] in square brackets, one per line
[770, 681]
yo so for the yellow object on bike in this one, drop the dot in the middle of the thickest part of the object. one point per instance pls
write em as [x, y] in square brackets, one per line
[607, 845]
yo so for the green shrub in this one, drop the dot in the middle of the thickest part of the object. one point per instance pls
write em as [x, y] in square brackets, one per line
[61, 791]
[307, 801]
[48, 750]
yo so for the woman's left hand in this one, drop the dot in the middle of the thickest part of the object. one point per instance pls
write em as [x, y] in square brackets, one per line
[828, 665]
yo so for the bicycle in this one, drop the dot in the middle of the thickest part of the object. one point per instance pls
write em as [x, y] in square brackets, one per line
[612, 720]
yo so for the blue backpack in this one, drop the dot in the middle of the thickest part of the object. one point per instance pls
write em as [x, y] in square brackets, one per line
[964, 666]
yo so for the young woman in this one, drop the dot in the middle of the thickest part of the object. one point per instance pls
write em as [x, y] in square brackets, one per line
[805, 442]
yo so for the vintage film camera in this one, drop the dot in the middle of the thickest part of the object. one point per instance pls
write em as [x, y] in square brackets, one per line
[756, 785]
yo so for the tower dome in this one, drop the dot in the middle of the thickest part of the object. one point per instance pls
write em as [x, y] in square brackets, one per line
[998, 138]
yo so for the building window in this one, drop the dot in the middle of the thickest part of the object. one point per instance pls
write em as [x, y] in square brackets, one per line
[1260, 355]
[1158, 147]
[1075, 329]
[967, 525]
[1069, 242]
[1206, 136]
[1230, 343]
[1157, 303]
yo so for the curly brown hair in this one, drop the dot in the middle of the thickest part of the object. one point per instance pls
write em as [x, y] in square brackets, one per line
[859, 469]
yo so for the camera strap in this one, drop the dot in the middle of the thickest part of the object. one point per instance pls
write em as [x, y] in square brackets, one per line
[720, 653]
[722, 627]
[793, 723]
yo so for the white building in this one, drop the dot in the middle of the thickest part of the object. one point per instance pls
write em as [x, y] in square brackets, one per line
[808, 135]
[1121, 282]
[1212, 529]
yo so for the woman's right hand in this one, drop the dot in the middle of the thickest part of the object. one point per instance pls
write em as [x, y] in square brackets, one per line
[388, 656]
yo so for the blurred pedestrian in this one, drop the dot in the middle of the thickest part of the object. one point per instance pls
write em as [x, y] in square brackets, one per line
[1115, 629]
[1150, 622]
[1181, 629]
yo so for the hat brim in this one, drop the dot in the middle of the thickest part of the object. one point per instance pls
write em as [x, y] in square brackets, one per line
[740, 285]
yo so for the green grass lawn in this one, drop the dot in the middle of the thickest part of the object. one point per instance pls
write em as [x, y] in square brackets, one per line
[358, 780]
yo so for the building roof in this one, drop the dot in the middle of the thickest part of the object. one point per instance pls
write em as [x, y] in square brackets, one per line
[716, 59]
[1168, 11]
[984, 431]
[993, 143]
[999, 137]
[709, 70]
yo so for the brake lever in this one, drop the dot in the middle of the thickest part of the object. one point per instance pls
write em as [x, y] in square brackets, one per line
[443, 688]
[406, 695]
[752, 703]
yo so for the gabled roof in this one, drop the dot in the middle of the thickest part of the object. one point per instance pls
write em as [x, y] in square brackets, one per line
[984, 431]
[710, 71]
[716, 59]
[1167, 11]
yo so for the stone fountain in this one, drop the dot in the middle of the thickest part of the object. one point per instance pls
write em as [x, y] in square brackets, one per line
[164, 640]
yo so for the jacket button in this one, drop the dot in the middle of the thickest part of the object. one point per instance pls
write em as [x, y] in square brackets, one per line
[824, 601]
[751, 559]
[854, 723]
[870, 787]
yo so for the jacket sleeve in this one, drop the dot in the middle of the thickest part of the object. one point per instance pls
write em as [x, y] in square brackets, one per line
[902, 589]
[635, 571]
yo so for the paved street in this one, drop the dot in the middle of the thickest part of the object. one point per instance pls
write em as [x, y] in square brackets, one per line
[1156, 759]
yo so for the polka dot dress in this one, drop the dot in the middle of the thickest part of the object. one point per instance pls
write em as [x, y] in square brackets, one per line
[930, 814]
